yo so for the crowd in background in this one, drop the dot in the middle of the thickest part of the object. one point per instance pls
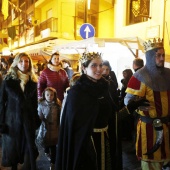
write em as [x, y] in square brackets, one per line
[80, 117]
[54, 79]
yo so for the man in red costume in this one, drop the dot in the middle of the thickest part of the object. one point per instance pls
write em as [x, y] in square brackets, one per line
[153, 132]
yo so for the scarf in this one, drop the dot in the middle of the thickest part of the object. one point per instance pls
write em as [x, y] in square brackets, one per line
[54, 68]
[24, 79]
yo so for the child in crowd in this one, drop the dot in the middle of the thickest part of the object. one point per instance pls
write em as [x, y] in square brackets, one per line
[49, 112]
[67, 67]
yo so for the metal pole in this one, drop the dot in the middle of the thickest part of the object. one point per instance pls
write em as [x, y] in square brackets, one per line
[85, 11]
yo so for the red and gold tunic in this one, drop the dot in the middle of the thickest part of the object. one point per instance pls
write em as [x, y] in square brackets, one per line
[146, 135]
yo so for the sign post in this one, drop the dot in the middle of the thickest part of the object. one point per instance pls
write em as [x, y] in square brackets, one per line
[87, 30]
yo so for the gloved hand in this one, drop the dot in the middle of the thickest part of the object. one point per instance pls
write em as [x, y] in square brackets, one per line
[134, 104]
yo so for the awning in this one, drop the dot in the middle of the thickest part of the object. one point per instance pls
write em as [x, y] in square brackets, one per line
[132, 43]
[46, 46]
[72, 48]
[43, 51]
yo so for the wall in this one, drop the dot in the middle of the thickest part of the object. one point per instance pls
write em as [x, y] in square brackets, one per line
[47, 6]
[159, 13]
[167, 30]
[106, 20]
[66, 18]
[156, 13]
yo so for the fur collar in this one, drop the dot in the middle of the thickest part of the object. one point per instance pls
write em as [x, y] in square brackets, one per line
[54, 68]
[95, 89]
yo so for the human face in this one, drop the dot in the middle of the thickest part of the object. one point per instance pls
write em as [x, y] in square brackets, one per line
[65, 65]
[134, 66]
[49, 95]
[125, 74]
[94, 69]
[160, 57]
[23, 64]
[55, 60]
[106, 70]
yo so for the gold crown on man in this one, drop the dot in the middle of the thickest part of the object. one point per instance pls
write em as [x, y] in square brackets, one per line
[89, 56]
[153, 44]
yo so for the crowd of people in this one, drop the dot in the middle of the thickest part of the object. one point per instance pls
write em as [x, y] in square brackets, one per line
[80, 117]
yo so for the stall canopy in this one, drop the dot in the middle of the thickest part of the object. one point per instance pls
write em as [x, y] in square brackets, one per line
[72, 48]
[132, 43]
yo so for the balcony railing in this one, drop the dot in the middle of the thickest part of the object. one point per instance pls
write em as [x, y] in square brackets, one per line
[51, 23]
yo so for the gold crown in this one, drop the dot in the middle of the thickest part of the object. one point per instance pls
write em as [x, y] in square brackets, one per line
[152, 45]
[89, 56]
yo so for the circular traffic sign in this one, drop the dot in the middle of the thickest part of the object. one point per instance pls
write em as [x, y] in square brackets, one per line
[87, 30]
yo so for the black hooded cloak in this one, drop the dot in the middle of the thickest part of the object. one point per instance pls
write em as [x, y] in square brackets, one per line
[88, 106]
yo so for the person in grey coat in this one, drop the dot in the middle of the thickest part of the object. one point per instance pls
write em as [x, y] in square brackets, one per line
[18, 115]
[49, 112]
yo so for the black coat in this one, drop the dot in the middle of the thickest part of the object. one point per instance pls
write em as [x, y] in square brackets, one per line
[78, 120]
[18, 113]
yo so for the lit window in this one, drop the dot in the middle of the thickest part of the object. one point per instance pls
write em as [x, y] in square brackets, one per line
[138, 11]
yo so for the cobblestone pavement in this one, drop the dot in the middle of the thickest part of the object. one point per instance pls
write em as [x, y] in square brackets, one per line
[130, 161]
[42, 161]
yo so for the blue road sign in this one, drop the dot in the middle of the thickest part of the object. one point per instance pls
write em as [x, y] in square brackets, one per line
[87, 30]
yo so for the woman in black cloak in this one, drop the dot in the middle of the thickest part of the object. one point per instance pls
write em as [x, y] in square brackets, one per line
[87, 139]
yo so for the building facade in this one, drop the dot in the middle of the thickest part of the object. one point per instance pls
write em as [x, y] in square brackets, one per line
[43, 23]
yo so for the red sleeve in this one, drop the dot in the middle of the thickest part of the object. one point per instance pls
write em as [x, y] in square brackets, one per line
[134, 83]
[42, 84]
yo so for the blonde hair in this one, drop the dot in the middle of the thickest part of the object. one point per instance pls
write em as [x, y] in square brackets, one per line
[13, 68]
